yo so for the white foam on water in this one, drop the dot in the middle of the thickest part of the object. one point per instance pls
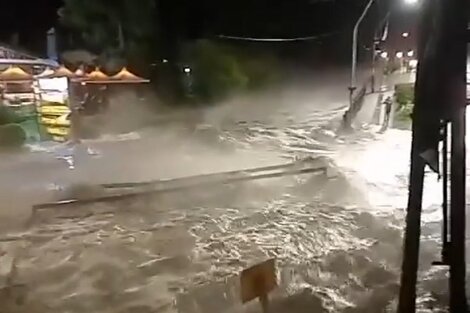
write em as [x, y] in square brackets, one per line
[336, 239]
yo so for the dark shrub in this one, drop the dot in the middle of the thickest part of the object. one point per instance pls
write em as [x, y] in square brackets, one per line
[12, 136]
[8, 116]
[405, 94]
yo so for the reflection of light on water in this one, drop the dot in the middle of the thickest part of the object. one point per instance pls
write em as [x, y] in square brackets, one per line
[383, 166]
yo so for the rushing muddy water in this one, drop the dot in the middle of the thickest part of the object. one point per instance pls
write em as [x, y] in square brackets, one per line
[337, 239]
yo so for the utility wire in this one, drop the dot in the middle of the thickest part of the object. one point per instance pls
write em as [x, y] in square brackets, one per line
[276, 39]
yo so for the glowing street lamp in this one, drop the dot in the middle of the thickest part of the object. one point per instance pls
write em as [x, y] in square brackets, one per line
[399, 55]
[410, 53]
[384, 55]
[405, 35]
[352, 86]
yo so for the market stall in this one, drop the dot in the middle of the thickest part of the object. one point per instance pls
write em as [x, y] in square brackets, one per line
[53, 101]
[18, 95]
[99, 87]
[17, 87]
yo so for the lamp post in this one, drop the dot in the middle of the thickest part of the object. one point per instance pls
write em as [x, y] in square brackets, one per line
[353, 86]
[383, 27]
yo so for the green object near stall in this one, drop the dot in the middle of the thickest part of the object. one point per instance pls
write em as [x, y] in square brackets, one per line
[35, 132]
[29, 121]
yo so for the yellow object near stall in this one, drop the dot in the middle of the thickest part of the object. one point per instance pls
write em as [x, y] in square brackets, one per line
[54, 109]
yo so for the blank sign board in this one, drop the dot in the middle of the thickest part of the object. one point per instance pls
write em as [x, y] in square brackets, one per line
[258, 281]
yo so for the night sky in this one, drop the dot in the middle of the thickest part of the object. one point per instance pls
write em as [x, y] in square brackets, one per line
[242, 17]
[206, 18]
[30, 18]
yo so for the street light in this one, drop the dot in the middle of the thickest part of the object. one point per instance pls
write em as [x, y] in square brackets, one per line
[352, 86]
[410, 53]
[399, 55]
[405, 35]
[384, 55]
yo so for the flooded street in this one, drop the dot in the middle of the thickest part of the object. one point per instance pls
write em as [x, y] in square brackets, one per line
[337, 238]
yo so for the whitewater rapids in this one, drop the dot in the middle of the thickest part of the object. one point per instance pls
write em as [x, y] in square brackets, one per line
[337, 241]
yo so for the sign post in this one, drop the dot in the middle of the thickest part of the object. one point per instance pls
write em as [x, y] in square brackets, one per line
[257, 282]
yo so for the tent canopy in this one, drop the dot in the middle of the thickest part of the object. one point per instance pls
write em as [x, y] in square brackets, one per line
[61, 72]
[96, 75]
[15, 74]
[123, 77]
[47, 71]
[79, 72]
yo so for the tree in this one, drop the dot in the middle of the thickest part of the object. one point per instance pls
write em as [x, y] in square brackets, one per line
[112, 27]
[220, 69]
[216, 73]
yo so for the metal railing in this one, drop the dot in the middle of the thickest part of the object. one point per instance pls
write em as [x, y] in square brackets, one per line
[128, 191]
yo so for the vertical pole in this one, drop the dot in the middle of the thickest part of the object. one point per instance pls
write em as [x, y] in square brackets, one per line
[353, 86]
[74, 114]
[458, 298]
[264, 300]
[354, 58]
[409, 272]
[457, 23]
[121, 39]
[372, 82]
[445, 194]
[378, 37]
